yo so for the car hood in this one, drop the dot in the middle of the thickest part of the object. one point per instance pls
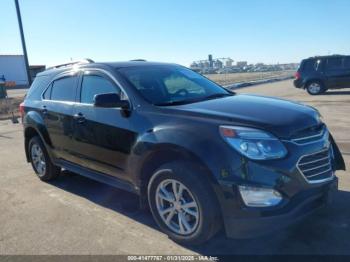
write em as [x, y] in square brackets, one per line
[281, 117]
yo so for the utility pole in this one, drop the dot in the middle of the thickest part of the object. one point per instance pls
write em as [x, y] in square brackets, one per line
[23, 42]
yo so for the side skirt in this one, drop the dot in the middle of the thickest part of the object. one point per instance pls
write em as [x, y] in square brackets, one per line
[97, 176]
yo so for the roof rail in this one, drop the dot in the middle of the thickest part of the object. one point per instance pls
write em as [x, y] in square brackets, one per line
[321, 56]
[84, 61]
[138, 60]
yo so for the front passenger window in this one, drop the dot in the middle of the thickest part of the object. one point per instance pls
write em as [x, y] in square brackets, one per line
[93, 85]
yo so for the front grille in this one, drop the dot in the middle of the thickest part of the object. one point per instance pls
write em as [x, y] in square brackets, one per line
[310, 135]
[316, 167]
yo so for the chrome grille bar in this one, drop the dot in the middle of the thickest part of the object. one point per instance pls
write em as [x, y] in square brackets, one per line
[329, 169]
[317, 167]
[322, 169]
[314, 161]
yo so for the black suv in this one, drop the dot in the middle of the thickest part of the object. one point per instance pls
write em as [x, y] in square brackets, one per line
[200, 156]
[318, 74]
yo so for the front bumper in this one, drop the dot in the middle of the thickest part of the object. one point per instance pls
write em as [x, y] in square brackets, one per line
[300, 196]
[254, 222]
[303, 179]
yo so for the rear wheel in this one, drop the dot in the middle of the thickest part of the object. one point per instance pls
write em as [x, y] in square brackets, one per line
[41, 161]
[183, 203]
[315, 88]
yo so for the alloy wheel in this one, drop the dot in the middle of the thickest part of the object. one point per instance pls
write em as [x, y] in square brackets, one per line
[314, 88]
[38, 159]
[177, 207]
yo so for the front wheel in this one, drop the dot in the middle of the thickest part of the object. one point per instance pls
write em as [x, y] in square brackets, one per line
[183, 203]
[315, 88]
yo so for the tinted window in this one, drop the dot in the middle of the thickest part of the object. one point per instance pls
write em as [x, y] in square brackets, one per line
[347, 62]
[47, 93]
[309, 65]
[64, 89]
[93, 85]
[171, 84]
[38, 86]
[334, 63]
[176, 83]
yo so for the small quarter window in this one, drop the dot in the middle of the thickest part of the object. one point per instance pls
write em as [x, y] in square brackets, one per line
[47, 94]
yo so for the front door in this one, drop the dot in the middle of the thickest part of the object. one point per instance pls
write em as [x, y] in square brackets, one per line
[104, 136]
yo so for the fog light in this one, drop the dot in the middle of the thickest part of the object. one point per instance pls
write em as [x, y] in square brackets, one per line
[259, 197]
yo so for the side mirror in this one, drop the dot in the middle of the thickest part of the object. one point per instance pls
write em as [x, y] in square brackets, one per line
[110, 100]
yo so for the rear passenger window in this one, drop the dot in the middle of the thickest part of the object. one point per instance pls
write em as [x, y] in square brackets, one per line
[93, 85]
[64, 89]
[334, 63]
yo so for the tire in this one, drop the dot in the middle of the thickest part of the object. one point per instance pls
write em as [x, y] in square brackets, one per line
[197, 198]
[315, 88]
[41, 161]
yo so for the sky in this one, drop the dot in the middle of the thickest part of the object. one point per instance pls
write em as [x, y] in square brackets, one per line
[179, 31]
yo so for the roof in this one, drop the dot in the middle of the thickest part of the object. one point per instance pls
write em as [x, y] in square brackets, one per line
[134, 63]
[326, 56]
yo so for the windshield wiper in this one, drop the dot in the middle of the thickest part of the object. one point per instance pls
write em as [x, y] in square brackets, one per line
[175, 103]
[214, 96]
[194, 100]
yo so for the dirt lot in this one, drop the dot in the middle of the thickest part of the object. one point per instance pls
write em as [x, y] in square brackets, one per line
[75, 215]
[9, 107]
[228, 79]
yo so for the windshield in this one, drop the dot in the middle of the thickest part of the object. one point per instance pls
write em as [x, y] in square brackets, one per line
[171, 85]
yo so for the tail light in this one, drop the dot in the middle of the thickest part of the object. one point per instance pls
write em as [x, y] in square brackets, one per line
[297, 75]
[21, 109]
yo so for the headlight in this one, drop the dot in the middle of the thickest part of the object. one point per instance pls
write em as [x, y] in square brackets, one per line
[253, 143]
[259, 197]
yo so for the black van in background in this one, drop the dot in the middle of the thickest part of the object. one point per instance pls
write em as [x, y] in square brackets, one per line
[318, 74]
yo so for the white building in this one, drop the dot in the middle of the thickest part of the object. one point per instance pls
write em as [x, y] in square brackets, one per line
[13, 68]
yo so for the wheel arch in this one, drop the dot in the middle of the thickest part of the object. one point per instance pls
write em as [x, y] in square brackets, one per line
[35, 128]
[309, 81]
[29, 133]
[163, 155]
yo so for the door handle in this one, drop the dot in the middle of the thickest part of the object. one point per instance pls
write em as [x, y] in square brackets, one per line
[79, 118]
[44, 110]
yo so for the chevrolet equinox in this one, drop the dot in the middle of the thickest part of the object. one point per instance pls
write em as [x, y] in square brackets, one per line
[200, 156]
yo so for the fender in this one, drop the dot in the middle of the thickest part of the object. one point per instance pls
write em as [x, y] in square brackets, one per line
[174, 141]
[339, 160]
[35, 121]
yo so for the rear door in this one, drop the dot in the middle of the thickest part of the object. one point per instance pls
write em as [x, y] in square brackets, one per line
[103, 136]
[336, 73]
[57, 109]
